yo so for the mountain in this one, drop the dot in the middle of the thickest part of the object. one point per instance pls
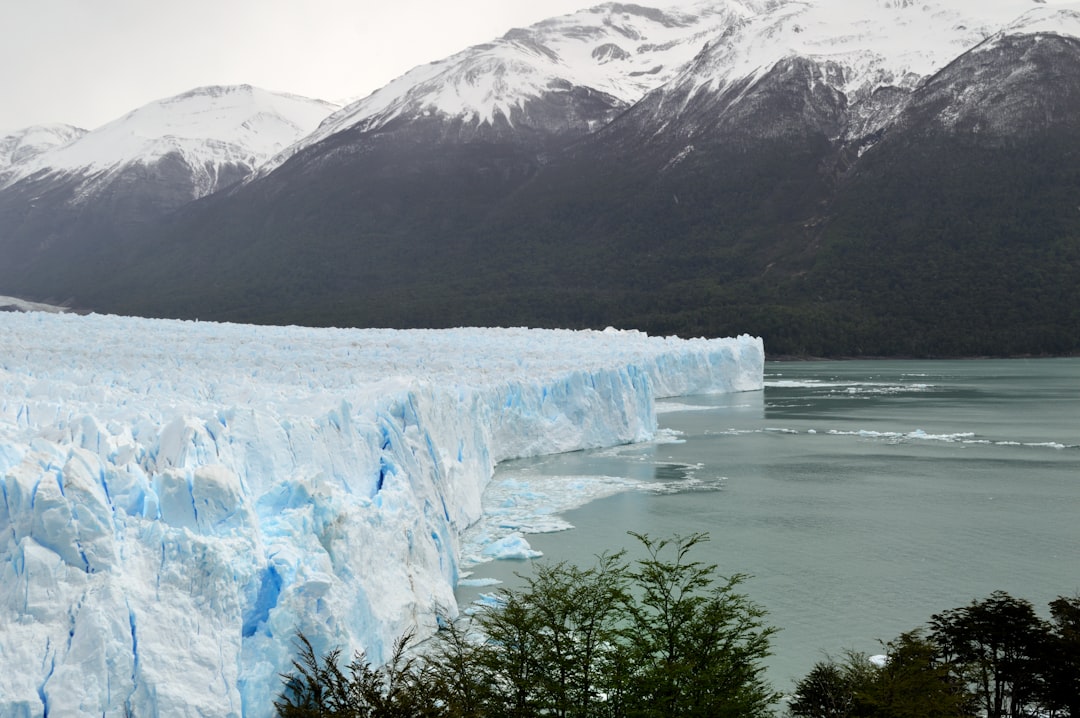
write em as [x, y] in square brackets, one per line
[22, 146]
[964, 212]
[889, 177]
[562, 77]
[217, 134]
[67, 192]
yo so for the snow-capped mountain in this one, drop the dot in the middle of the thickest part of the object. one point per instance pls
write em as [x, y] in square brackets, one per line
[218, 134]
[867, 45]
[861, 59]
[22, 146]
[624, 157]
[971, 97]
[624, 51]
[79, 197]
[609, 55]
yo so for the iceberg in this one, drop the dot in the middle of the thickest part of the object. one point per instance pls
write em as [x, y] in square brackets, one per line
[178, 499]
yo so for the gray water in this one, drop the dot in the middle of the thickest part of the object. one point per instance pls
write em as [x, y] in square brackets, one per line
[862, 497]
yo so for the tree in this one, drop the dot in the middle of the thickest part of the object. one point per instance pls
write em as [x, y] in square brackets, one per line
[994, 646]
[993, 658]
[509, 657]
[580, 611]
[911, 683]
[695, 645]
[550, 645]
[827, 691]
[1061, 691]
[914, 683]
[666, 638]
[320, 689]
[454, 672]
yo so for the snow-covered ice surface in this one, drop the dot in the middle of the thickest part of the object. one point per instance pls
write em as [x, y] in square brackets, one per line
[178, 499]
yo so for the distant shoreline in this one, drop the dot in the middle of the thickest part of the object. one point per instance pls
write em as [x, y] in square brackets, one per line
[14, 304]
[800, 358]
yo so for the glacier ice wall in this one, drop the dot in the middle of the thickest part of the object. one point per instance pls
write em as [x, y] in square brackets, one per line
[177, 499]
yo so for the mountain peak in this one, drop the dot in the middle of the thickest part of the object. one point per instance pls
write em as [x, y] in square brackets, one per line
[615, 50]
[23, 145]
[621, 164]
[207, 127]
[1059, 19]
[860, 48]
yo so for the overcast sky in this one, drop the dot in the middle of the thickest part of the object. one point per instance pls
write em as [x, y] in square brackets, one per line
[86, 62]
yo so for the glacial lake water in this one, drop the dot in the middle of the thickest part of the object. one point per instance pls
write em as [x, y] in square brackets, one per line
[861, 496]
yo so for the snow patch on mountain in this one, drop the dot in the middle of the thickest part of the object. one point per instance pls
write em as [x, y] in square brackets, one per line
[626, 51]
[178, 498]
[872, 52]
[1058, 19]
[872, 44]
[23, 145]
[619, 50]
[208, 128]
[974, 95]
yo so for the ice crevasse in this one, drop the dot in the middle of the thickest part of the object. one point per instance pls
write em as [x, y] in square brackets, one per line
[178, 499]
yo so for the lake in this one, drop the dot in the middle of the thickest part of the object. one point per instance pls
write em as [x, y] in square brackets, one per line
[861, 496]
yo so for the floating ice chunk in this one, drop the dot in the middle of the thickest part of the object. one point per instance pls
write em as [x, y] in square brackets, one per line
[513, 546]
[479, 582]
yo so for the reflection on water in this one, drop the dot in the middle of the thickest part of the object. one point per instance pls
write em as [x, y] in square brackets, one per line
[862, 496]
[673, 472]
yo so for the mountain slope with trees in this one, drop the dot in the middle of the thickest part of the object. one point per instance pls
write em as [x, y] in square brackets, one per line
[832, 201]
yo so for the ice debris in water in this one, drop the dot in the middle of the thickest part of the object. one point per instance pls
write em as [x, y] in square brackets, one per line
[177, 499]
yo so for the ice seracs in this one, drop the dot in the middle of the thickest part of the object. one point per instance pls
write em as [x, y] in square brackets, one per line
[179, 498]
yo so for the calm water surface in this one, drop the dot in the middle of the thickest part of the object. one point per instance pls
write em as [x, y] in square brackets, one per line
[862, 497]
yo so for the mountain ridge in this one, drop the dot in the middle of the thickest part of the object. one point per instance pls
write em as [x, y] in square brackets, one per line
[720, 195]
[208, 127]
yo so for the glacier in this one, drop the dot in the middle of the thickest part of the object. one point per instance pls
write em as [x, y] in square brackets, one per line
[180, 498]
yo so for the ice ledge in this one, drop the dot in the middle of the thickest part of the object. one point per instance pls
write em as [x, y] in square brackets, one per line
[177, 499]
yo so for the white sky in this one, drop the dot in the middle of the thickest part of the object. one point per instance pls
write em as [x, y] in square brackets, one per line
[86, 62]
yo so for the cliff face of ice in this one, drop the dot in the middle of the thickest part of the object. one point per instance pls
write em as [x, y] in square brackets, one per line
[178, 499]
